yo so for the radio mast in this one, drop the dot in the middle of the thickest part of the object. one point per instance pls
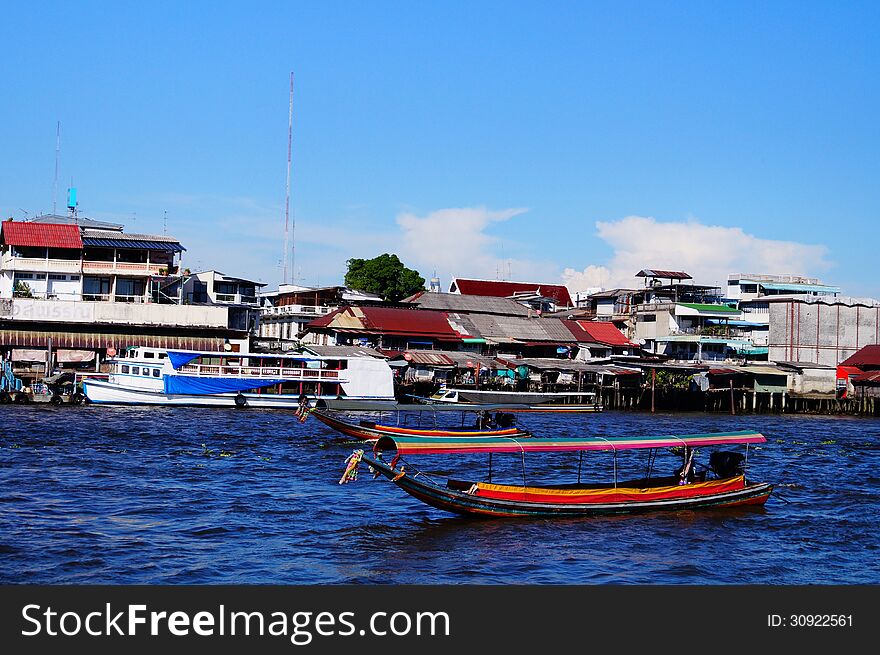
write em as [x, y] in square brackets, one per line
[57, 157]
[288, 247]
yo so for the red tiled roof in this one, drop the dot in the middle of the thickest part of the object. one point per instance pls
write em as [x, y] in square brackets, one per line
[605, 332]
[867, 356]
[499, 289]
[41, 235]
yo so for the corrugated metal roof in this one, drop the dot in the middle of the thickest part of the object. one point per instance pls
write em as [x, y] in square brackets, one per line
[867, 356]
[41, 235]
[344, 351]
[127, 243]
[709, 308]
[97, 340]
[124, 236]
[469, 303]
[655, 272]
[869, 379]
[514, 329]
[505, 289]
[388, 320]
[113, 239]
[605, 332]
[80, 221]
[798, 288]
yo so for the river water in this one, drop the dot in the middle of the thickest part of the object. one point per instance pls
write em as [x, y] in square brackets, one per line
[186, 495]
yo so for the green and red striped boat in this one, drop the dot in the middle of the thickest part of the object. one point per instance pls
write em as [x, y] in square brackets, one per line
[730, 489]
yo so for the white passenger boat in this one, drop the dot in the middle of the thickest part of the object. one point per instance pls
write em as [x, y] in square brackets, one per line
[153, 376]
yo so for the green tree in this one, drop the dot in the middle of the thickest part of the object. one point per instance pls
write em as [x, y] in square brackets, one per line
[22, 290]
[385, 276]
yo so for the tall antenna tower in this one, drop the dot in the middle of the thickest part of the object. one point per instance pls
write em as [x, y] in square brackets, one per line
[288, 247]
[57, 157]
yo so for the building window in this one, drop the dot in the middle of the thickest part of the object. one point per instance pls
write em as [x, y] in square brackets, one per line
[648, 318]
[24, 276]
[57, 276]
[74, 278]
[749, 288]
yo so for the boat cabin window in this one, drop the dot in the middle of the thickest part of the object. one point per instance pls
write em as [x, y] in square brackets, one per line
[149, 355]
[125, 368]
[135, 370]
[156, 372]
[146, 371]
[451, 394]
[163, 355]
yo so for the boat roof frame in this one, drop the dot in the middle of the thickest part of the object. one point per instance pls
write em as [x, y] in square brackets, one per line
[464, 445]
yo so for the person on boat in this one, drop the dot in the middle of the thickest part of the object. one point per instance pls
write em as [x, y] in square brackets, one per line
[484, 421]
[686, 472]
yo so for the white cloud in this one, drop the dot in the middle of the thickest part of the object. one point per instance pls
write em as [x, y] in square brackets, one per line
[707, 252]
[454, 241]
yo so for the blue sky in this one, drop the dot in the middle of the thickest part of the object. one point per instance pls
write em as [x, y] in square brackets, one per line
[572, 142]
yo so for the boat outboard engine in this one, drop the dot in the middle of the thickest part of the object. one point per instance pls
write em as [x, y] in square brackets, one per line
[504, 419]
[727, 464]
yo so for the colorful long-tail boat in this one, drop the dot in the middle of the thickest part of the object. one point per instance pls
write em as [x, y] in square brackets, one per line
[370, 430]
[684, 491]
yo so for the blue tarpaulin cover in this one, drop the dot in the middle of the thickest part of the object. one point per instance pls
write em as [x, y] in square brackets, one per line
[179, 359]
[204, 386]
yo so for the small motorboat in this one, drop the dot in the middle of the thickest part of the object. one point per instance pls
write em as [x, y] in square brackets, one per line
[722, 484]
[370, 430]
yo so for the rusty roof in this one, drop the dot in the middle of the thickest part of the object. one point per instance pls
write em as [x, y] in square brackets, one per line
[469, 303]
[505, 289]
[388, 320]
[672, 275]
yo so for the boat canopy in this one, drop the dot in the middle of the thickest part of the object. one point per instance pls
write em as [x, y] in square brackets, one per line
[433, 445]
[182, 357]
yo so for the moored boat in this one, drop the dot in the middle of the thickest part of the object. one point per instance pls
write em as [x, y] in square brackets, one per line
[370, 430]
[684, 491]
[154, 376]
[519, 401]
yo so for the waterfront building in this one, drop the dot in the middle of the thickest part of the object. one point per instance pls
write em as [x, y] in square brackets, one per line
[73, 258]
[285, 313]
[74, 291]
[815, 329]
[748, 286]
[216, 288]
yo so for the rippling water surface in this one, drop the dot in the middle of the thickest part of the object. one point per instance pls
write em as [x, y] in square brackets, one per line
[187, 495]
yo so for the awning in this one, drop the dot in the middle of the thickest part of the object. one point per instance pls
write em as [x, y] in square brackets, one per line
[435, 445]
[74, 356]
[28, 355]
[132, 244]
[100, 341]
[179, 359]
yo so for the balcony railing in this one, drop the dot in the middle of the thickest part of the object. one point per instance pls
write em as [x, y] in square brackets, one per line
[236, 298]
[40, 264]
[123, 267]
[214, 370]
[314, 310]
